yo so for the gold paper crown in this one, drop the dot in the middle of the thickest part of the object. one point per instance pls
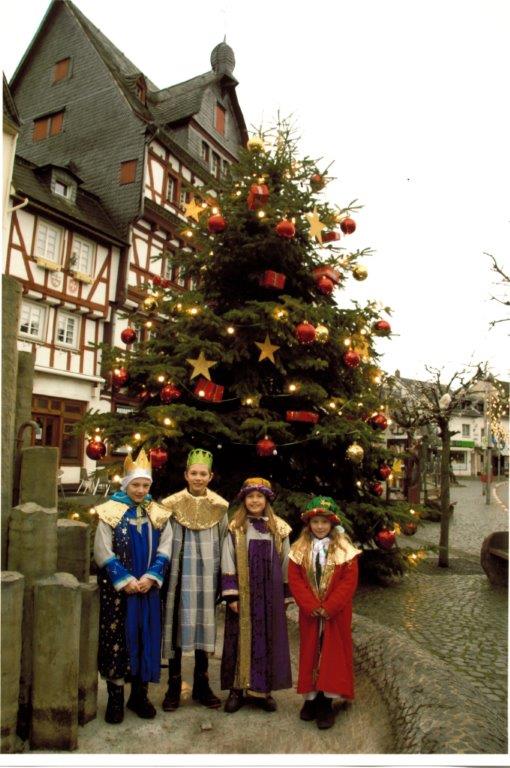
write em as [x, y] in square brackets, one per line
[142, 462]
[199, 456]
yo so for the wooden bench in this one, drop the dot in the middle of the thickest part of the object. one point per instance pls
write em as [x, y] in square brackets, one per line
[494, 558]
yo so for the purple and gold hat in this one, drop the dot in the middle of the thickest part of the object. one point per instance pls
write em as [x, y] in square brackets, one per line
[256, 484]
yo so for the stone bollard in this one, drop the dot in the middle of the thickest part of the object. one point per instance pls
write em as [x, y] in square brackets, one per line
[74, 548]
[89, 634]
[32, 551]
[38, 480]
[12, 613]
[56, 649]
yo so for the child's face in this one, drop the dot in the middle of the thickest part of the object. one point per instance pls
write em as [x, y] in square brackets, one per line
[255, 503]
[138, 488]
[320, 526]
[198, 477]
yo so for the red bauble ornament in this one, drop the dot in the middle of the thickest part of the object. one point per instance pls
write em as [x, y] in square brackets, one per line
[409, 529]
[216, 224]
[351, 359]
[381, 328]
[378, 421]
[157, 280]
[128, 335]
[376, 488]
[143, 395]
[158, 457]
[95, 450]
[385, 539]
[317, 182]
[384, 471]
[119, 377]
[169, 393]
[325, 285]
[348, 226]
[285, 228]
[265, 447]
[305, 333]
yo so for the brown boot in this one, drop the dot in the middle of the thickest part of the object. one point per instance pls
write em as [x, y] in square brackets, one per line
[325, 714]
[173, 694]
[202, 692]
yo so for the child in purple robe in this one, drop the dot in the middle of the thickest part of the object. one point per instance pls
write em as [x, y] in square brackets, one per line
[256, 657]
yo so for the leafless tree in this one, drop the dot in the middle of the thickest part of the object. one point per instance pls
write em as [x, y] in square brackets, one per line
[503, 280]
[434, 402]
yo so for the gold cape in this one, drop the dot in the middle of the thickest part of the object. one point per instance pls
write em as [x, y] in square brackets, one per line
[196, 512]
[111, 513]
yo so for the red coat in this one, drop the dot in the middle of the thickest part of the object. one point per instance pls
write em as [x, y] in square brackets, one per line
[335, 668]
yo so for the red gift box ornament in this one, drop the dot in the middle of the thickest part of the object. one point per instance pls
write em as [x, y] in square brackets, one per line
[305, 417]
[257, 196]
[208, 390]
[329, 272]
[271, 279]
[330, 237]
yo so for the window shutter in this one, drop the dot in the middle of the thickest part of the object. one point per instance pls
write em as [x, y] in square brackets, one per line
[61, 70]
[220, 119]
[128, 171]
[56, 123]
[40, 128]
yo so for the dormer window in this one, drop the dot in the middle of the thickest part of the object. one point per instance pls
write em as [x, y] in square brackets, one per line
[63, 185]
[61, 189]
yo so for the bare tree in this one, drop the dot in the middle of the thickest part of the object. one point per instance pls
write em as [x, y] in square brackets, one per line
[504, 280]
[432, 402]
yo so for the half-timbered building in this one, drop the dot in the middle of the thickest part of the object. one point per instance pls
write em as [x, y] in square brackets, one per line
[107, 161]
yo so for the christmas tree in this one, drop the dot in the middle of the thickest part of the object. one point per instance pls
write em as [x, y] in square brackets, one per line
[260, 362]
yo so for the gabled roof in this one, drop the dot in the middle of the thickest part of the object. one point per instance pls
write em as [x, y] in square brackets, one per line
[9, 107]
[164, 106]
[87, 211]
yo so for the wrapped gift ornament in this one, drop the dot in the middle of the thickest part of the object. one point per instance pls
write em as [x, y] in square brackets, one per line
[329, 272]
[271, 279]
[257, 196]
[304, 417]
[208, 390]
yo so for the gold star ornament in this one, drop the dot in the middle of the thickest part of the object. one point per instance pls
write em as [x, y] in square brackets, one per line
[192, 210]
[201, 366]
[316, 225]
[266, 349]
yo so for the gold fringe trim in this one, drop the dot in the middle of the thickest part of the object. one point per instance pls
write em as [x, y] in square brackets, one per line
[242, 675]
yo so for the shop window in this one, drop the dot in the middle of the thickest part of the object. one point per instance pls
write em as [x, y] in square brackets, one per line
[56, 420]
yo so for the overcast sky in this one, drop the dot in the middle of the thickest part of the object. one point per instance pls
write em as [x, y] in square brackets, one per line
[409, 100]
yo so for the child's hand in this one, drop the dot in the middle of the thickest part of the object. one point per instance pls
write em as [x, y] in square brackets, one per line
[323, 613]
[131, 587]
[146, 583]
[316, 612]
[234, 606]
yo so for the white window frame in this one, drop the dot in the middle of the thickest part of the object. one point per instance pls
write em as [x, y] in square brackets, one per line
[27, 309]
[215, 164]
[46, 257]
[71, 343]
[82, 271]
[466, 430]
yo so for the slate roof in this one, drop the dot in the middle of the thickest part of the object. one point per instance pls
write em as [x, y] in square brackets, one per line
[87, 211]
[10, 112]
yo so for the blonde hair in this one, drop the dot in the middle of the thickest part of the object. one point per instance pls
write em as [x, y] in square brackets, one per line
[339, 540]
[241, 514]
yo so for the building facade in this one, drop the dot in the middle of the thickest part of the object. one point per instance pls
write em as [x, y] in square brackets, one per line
[108, 163]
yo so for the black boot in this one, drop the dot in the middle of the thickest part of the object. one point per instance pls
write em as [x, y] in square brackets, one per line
[173, 694]
[235, 700]
[201, 689]
[309, 710]
[325, 714]
[138, 701]
[115, 707]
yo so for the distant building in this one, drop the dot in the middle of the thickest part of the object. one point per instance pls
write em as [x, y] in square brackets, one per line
[107, 161]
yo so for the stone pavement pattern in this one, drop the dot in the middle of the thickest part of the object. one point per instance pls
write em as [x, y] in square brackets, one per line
[363, 727]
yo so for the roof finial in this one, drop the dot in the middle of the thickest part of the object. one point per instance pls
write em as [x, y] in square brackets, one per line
[222, 58]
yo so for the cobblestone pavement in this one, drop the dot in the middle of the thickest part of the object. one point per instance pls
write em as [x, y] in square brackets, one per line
[453, 612]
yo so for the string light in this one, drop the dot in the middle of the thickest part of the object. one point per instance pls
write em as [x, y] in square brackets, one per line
[261, 214]
[347, 342]
[167, 422]
[137, 436]
[161, 379]
[231, 330]
[148, 324]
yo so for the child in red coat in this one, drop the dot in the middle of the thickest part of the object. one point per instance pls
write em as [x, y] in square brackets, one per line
[323, 574]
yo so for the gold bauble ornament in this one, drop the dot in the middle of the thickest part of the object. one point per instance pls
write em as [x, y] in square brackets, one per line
[360, 272]
[321, 334]
[255, 144]
[150, 303]
[355, 453]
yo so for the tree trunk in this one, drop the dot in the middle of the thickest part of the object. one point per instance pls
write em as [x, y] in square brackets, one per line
[445, 495]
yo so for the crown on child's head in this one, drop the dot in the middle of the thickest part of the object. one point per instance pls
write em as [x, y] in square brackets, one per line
[324, 506]
[199, 456]
[142, 462]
